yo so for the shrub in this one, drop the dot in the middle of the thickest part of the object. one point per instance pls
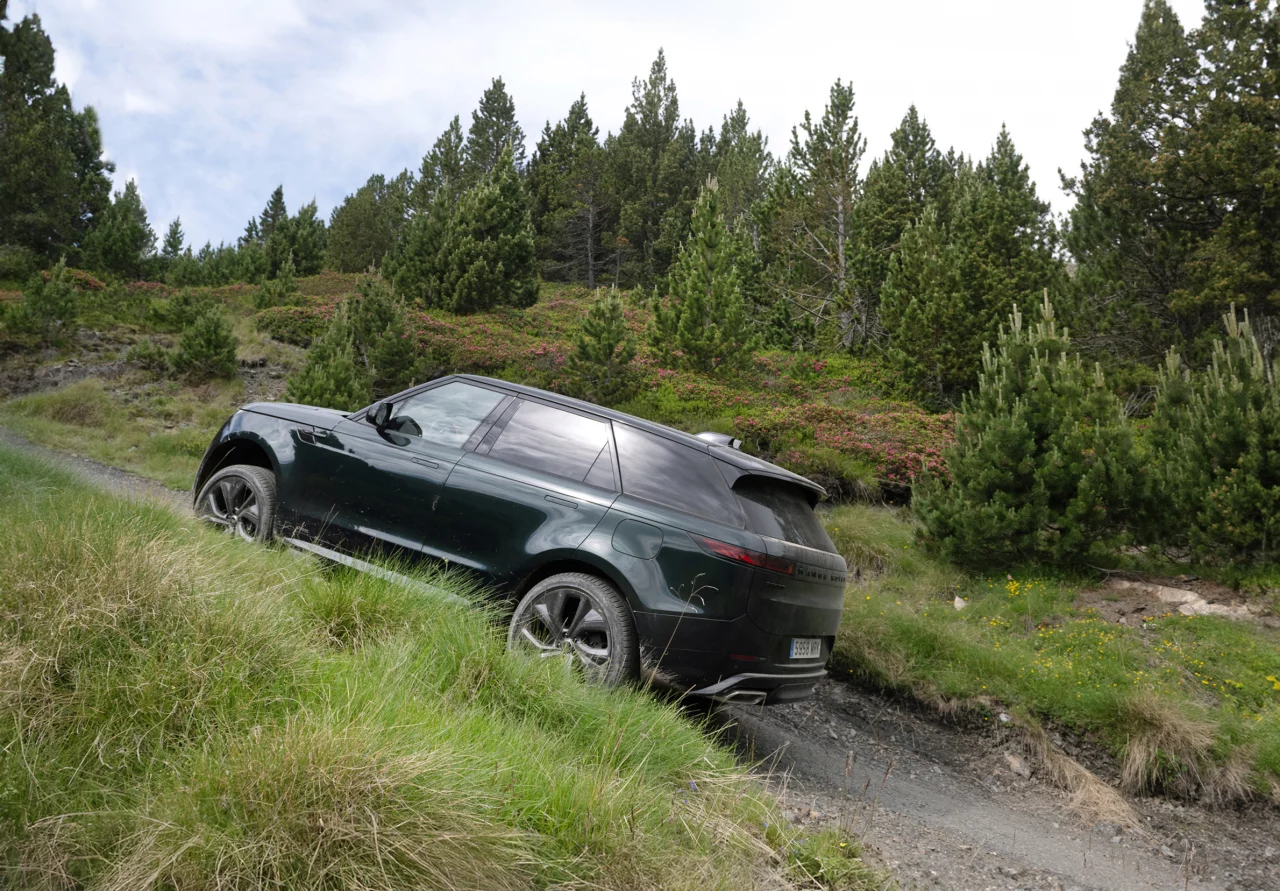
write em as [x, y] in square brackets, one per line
[1043, 467]
[18, 263]
[331, 376]
[149, 355]
[179, 311]
[600, 367]
[207, 349]
[1216, 441]
[298, 325]
[50, 304]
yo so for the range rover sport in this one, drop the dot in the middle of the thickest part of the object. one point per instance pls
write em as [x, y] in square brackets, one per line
[624, 545]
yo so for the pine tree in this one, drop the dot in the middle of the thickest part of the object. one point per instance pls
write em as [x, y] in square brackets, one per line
[652, 171]
[949, 286]
[331, 376]
[815, 217]
[173, 241]
[1043, 467]
[380, 338]
[1173, 222]
[569, 202]
[488, 254]
[54, 182]
[280, 290]
[364, 228]
[1216, 441]
[122, 241]
[600, 368]
[743, 165]
[416, 265]
[911, 175]
[206, 349]
[444, 167]
[308, 238]
[273, 214]
[704, 327]
[494, 130]
[48, 306]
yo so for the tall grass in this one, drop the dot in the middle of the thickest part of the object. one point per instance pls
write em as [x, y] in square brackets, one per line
[182, 710]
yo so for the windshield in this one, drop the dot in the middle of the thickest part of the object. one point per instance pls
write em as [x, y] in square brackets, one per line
[781, 510]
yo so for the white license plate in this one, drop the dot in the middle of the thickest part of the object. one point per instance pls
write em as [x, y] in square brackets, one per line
[806, 647]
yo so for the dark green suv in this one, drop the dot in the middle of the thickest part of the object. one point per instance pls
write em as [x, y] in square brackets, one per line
[626, 546]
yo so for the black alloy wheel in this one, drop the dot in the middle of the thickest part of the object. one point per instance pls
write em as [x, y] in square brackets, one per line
[581, 619]
[240, 499]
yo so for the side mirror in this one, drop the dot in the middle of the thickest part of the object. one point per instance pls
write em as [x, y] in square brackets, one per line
[380, 415]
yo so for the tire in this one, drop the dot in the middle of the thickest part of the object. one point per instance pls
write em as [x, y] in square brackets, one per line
[582, 618]
[241, 499]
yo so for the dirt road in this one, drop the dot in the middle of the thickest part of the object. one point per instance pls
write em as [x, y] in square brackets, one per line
[942, 806]
[948, 807]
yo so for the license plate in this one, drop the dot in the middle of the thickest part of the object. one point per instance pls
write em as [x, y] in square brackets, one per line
[806, 647]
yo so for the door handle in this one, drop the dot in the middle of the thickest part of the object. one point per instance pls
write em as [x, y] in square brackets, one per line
[562, 501]
[425, 462]
[307, 436]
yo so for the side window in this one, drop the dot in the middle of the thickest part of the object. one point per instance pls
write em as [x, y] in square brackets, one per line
[554, 441]
[674, 475]
[447, 415]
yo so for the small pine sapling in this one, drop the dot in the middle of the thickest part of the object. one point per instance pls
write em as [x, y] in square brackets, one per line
[599, 369]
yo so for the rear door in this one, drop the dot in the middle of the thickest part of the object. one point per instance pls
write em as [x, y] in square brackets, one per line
[539, 481]
[384, 484]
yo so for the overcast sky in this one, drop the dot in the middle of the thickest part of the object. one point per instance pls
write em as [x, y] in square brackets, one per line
[211, 105]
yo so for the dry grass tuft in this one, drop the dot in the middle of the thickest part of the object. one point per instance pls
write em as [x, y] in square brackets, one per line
[1166, 749]
[1088, 797]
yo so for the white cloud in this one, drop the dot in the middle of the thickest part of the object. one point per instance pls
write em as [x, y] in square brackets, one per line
[216, 103]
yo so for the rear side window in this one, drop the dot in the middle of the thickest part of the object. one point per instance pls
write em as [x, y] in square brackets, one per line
[780, 510]
[553, 441]
[674, 475]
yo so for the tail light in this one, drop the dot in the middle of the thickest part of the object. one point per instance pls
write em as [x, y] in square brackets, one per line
[745, 555]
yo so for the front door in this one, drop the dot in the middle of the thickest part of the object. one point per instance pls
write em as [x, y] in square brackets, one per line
[384, 483]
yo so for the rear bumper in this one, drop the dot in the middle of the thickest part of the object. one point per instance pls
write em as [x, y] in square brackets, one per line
[731, 660]
[756, 687]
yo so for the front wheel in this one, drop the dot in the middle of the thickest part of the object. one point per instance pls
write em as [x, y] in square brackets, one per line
[242, 500]
[582, 619]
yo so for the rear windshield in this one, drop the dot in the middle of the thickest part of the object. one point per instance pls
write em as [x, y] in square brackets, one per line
[781, 510]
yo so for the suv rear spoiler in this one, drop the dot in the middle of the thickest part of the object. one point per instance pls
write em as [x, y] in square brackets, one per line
[736, 465]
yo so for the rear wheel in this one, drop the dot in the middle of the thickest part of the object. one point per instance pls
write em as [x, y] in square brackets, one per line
[582, 619]
[242, 500]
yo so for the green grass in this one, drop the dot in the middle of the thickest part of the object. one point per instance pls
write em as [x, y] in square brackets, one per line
[1189, 705]
[180, 709]
[158, 429]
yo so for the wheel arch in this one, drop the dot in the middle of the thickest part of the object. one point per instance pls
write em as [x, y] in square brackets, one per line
[243, 449]
[576, 561]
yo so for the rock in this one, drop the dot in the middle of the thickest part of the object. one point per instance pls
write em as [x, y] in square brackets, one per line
[1168, 852]
[1003, 718]
[1018, 765]
[960, 603]
[1011, 871]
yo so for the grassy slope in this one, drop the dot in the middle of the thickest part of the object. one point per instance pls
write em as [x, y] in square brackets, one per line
[1190, 705]
[182, 709]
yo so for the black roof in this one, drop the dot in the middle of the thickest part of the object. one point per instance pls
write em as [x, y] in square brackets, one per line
[747, 463]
